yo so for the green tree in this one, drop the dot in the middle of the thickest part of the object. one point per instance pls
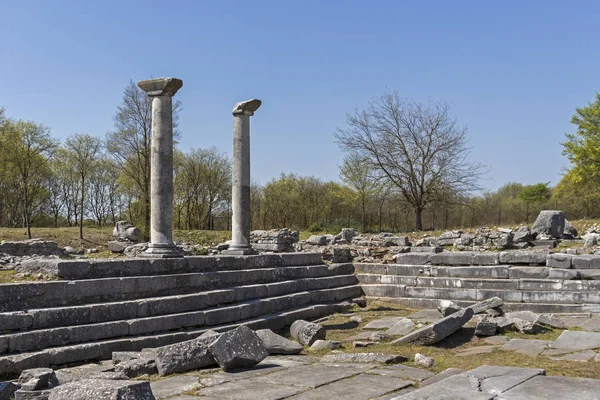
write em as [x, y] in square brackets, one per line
[357, 172]
[532, 194]
[582, 148]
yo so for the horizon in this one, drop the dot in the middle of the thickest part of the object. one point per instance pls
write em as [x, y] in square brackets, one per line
[513, 77]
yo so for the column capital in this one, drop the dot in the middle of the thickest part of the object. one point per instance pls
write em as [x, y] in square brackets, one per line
[246, 107]
[161, 86]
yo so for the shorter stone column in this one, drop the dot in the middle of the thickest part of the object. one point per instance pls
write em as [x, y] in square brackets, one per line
[240, 182]
[161, 91]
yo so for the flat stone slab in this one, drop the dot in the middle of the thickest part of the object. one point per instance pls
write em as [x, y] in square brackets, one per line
[367, 358]
[497, 340]
[309, 376]
[236, 375]
[426, 316]
[554, 387]
[581, 356]
[384, 323]
[250, 389]
[457, 387]
[361, 387]
[529, 347]
[498, 379]
[403, 372]
[401, 327]
[175, 385]
[437, 331]
[102, 389]
[471, 351]
[592, 325]
[577, 340]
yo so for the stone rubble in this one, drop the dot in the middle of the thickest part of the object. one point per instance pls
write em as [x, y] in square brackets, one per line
[238, 348]
[307, 332]
[277, 344]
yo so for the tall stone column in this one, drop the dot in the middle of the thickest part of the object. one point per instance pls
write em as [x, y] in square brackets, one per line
[240, 182]
[161, 91]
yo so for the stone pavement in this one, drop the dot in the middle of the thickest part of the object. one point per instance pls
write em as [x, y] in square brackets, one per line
[306, 377]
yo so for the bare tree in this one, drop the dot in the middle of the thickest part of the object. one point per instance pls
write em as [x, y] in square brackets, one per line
[83, 152]
[418, 147]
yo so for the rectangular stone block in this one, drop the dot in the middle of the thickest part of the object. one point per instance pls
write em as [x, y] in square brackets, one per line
[486, 259]
[566, 274]
[411, 270]
[365, 268]
[529, 272]
[452, 258]
[222, 315]
[298, 259]
[523, 257]
[87, 333]
[559, 260]
[413, 258]
[397, 280]
[540, 284]
[17, 320]
[289, 301]
[370, 278]
[441, 293]
[495, 272]
[425, 249]
[165, 323]
[495, 284]
[36, 340]
[280, 288]
[384, 290]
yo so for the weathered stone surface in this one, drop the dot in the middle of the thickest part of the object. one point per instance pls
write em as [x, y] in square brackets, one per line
[525, 346]
[403, 372]
[486, 328]
[527, 327]
[485, 305]
[551, 223]
[554, 387]
[277, 344]
[441, 376]
[384, 323]
[307, 332]
[497, 340]
[117, 246]
[439, 330]
[124, 231]
[401, 327]
[317, 240]
[99, 389]
[325, 345]
[366, 358]
[424, 361]
[576, 340]
[143, 364]
[238, 348]
[173, 386]
[426, 316]
[7, 390]
[37, 379]
[32, 394]
[448, 307]
[183, 356]
[523, 257]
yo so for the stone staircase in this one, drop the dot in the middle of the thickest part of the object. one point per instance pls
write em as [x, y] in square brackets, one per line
[130, 304]
[536, 281]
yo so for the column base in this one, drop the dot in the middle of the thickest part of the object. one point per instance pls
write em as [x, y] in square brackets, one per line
[160, 250]
[239, 251]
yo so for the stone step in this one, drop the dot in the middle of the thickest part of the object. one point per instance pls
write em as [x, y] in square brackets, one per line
[148, 307]
[489, 271]
[23, 296]
[516, 296]
[419, 303]
[73, 334]
[103, 268]
[484, 283]
[12, 365]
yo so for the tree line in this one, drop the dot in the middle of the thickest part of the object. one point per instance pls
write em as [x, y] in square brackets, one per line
[406, 167]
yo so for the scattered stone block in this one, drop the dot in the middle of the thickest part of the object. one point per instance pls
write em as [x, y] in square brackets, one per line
[439, 330]
[359, 344]
[379, 336]
[551, 223]
[577, 341]
[37, 379]
[238, 348]
[424, 361]
[581, 356]
[448, 307]
[559, 260]
[486, 328]
[325, 345]
[100, 389]
[143, 364]
[317, 240]
[527, 327]
[183, 356]
[363, 358]
[277, 344]
[33, 394]
[165, 388]
[307, 332]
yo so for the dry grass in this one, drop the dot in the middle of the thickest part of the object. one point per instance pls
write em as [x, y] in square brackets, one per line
[340, 328]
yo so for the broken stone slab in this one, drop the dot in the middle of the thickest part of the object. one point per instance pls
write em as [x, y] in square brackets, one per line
[402, 372]
[384, 323]
[448, 307]
[577, 340]
[33, 394]
[496, 340]
[471, 351]
[439, 330]
[581, 356]
[277, 344]
[363, 358]
[165, 388]
[486, 328]
[527, 327]
[441, 376]
[426, 316]
[238, 348]
[7, 390]
[183, 356]
[482, 306]
[307, 332]
[401, 327]
[379, 336]
[143, 364]
[325, 345]
[554, 387]
[551, 223]
[528, 347]
[37, 379]
[503, 324]
[100, 389]
[543, 319]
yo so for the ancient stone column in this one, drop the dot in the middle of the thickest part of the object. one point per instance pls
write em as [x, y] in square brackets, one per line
[240, 183]
[161, 91]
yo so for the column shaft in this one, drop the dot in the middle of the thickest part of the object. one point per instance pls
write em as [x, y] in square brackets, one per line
[240, 190]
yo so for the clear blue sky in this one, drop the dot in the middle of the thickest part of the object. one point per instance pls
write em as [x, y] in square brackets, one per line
[514, 70]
